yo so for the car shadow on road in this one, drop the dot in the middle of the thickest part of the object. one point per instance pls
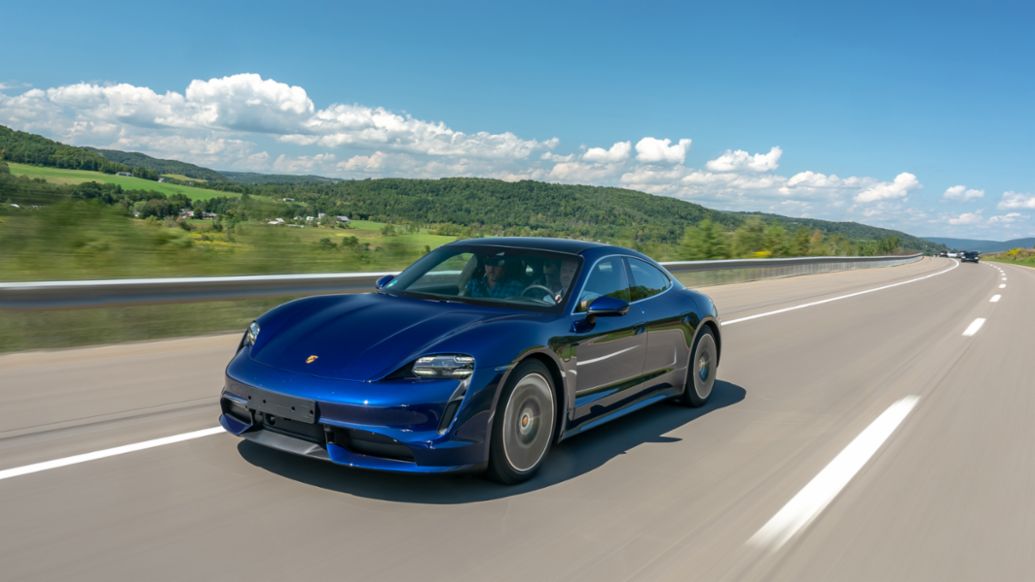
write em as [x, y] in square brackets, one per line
[568, 460]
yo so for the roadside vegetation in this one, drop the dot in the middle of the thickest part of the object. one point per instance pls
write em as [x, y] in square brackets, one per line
[1025, 257]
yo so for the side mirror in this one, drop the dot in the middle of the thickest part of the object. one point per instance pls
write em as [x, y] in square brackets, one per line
[384, 281]
[607, 307]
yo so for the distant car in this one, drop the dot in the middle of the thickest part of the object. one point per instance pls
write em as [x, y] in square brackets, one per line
[970, 257]
[943, 254]
[953, 255]
[480, 355]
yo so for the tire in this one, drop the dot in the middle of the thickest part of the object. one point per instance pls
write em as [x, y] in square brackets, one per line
[523, 426]
[701, 370]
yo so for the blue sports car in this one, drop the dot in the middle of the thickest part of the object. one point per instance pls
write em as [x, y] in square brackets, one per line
[479, 356]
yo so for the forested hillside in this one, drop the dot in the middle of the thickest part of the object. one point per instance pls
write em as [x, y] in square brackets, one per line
[28, 148]
[159, 166]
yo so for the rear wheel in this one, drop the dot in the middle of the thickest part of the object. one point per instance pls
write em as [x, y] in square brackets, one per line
[522, 431]
[702, 369]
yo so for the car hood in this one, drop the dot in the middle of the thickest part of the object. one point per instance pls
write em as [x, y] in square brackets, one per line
[362, 337]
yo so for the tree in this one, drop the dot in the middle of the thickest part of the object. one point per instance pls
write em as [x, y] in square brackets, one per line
[749, 238]
[703, 241]
[776, 241]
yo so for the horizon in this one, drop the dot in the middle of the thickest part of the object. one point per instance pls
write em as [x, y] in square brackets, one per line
[712, 105]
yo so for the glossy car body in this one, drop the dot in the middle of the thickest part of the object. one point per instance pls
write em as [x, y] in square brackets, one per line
[332, 372]
[970, 257]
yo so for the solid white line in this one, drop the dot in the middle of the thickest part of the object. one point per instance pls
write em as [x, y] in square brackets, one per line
[102, 454]
[974, 327]
[830, 299]
[825, 486]
[995, 298]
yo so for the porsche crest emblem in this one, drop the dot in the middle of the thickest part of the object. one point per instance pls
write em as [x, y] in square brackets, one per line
[311, 359]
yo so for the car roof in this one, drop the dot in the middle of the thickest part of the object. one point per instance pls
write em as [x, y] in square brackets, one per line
[563, 245]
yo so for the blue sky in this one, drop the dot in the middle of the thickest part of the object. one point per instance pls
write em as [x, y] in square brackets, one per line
[878, 111]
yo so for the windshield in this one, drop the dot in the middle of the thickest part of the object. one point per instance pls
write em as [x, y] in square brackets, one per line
[523, 277]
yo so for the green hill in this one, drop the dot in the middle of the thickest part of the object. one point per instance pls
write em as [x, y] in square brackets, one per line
[129, 183]
[161, 167]
[542, 209]
[28, 148]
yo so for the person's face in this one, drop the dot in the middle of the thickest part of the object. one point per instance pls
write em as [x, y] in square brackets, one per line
[492, 272]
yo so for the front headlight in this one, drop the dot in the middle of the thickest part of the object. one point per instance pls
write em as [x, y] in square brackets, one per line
[250, 335]
[444, 366]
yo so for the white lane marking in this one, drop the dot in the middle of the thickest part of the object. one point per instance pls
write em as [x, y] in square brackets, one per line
[112, 452]
[838, 298]
[995, 298]
[602, 358]
[1002, 285]
[974, 327]
[825, 486]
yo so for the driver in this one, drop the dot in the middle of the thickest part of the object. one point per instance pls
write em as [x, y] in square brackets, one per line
[493, 284]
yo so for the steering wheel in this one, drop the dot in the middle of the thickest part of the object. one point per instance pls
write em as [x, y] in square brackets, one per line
[546, 292]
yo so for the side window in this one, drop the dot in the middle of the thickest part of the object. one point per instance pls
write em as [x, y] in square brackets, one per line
[609, 278]
[647, 280]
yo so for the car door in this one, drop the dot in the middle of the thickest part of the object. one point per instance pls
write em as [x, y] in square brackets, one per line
[609, 351]
[667, 348]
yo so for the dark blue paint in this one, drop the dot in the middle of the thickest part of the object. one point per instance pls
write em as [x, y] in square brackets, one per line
[366, 343]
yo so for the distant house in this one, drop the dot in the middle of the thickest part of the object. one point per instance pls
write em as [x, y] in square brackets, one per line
[276, 222]
[186, 213]
[161, 180]
[211, 215]
[342, 219]
[127, 174]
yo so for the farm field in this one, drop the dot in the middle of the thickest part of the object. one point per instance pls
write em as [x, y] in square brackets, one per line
[64, 176]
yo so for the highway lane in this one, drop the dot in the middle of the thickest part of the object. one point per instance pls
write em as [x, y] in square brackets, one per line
[668, 493]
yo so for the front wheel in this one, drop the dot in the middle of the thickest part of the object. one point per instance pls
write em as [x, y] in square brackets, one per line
[701, 370]
[522, 431]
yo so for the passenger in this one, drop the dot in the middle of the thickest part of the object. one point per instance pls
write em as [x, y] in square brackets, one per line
[494, 283]
[557, 276]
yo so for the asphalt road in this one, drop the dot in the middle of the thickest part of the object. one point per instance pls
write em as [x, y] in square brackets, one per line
[850, 438]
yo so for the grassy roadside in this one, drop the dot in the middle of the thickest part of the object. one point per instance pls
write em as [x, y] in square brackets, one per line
[64, 176]
[1023, 257]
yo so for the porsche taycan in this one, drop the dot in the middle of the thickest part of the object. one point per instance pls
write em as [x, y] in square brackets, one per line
[478, 357]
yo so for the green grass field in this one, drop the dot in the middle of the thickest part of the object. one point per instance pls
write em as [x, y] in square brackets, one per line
[63, 176]
[183, 178]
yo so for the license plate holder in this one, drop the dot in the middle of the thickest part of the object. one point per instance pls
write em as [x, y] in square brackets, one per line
[290, 407]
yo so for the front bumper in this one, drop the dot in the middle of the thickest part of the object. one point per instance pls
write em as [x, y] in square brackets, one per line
[410, 426]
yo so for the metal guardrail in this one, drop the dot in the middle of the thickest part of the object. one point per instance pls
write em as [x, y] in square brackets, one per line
[36, 295]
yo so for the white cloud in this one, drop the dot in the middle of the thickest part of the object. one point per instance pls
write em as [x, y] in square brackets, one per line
[652, 150]
[619, 152]
[1012, 200]
[582, 173]
[967, 218]
[961, 192]
[247, 102]
[898, 188]
[1008, 218]
[303, 164]
[367, 164]
[740, 161]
